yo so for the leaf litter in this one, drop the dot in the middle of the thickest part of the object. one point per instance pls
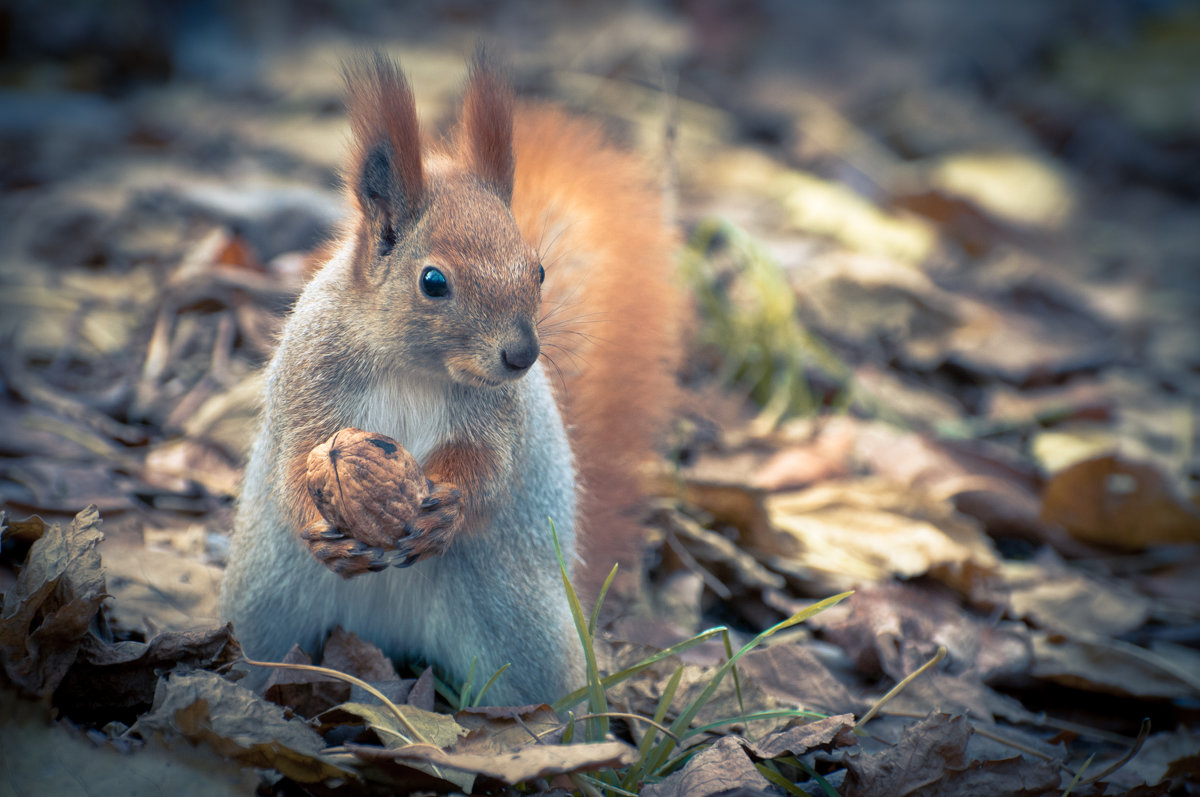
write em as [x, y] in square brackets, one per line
[945, 354]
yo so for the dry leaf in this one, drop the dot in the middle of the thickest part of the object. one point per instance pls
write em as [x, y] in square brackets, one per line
[439, 730]
[116, 681]
[717, 770]
[1069, 602]
[160, 589]
[304, 692]
[47, 614]
[798, 740]
[794, 675]
[1124, 504]
[204, 707]
[1110, 666]
[931, 760]
[496, 728]
[347, 652]
[366, 485]
[868, 530]
[526, 763]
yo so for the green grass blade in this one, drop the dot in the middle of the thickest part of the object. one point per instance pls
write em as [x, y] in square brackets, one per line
[634, 776]
[825, 785]
[596, 728]
[495, 676]
[644, 664]
[464, 697]
[768, 770]
[685, 719]
[600, 602]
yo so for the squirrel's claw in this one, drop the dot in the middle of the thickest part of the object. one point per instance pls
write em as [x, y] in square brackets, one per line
[342, 554]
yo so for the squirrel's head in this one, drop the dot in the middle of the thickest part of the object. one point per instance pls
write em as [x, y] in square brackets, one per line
[446, 276]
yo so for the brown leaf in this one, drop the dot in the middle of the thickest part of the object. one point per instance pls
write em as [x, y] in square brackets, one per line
[1110, 666]
[717, 770]
[46, 615]
[117, 680]
[50, 485]
[347, 652]
[931, 759]
[366, 484]
[440, 730]
[799, 739]
[894, 628]
[867, 530]
[496, 728]
[1063, 600]
[1111, 501]
[204, 707]
[793, 674]
[160, 589]
[306, 693]
[526, 763]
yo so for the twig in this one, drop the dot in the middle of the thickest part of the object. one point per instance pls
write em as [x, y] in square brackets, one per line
[1123, 760]
[895, 690]
[350, 679]
[666, 731]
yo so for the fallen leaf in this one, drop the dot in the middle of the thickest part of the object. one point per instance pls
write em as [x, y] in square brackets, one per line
[1171, 757]
[868, 530]
[50, 485]
[721, 768]
[117, 681]
[930, 759]
[345, 651]
[799, 739]
[160, 589]
[526, 763]
[304, 692]
[794, 675]
[1059, 599]
[1011, 186]
[895, 628]
[1110, 666]
[1111, 501]
[439, 730]
[492, 729]
[175, 464]
[47, 614]
[205, 708]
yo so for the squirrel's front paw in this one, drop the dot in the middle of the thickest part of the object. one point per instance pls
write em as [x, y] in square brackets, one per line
[344, 555]
[438, 519]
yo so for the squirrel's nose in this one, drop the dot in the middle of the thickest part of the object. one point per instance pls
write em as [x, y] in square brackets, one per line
[521, 357]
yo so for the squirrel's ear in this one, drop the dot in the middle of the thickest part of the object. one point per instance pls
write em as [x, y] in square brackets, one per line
[485, 134]
[385, 176]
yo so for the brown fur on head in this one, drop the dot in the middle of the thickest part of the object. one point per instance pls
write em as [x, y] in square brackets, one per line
[445, 272]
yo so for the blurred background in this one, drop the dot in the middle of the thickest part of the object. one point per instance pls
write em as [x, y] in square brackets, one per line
[944, 260]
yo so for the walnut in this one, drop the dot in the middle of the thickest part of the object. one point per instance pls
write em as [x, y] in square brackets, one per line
[366, 485]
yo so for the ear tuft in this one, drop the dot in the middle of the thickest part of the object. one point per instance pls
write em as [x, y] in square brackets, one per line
[384, 174]
[485, 134]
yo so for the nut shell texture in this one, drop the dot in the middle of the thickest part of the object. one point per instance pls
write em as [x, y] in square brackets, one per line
[366, 485]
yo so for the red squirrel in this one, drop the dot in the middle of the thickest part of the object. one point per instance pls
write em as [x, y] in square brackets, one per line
[503, 306]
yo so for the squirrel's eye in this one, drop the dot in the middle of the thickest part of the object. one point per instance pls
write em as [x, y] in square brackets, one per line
[433, 283]
[541, 274]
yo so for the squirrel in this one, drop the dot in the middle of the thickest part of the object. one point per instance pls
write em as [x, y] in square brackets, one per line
[524, 236]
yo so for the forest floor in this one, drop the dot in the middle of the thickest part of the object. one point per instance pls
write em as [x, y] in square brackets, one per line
[945, 353]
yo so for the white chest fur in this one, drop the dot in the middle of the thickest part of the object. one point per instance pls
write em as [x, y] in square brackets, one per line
[407, 410]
